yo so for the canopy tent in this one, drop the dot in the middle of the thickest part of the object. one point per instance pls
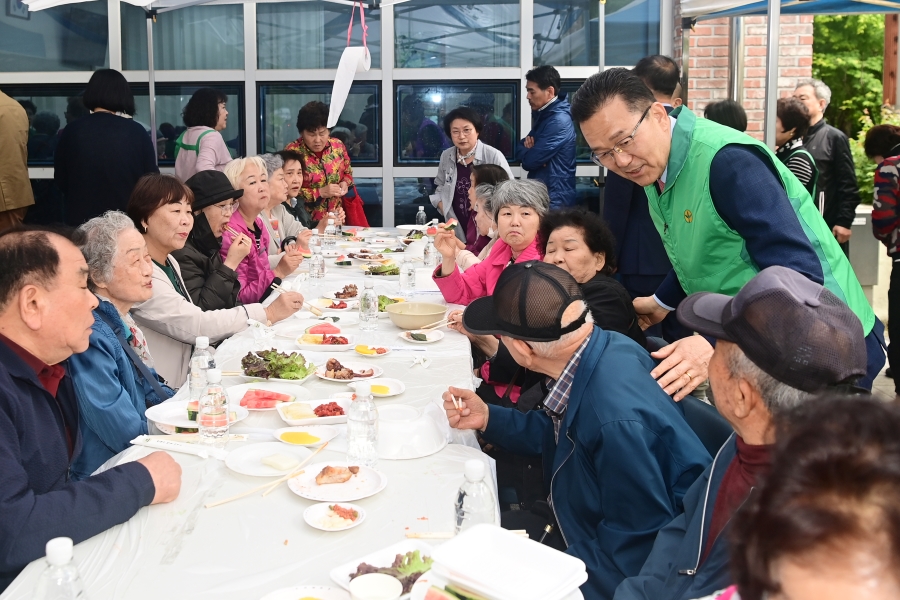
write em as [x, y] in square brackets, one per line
[694, 10]
[154, 7]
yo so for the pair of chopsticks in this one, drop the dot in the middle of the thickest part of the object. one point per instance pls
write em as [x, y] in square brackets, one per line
[311, 308]
[457, 402]
[446, 535]
[436, 324]
[271, 485]
[232, 230]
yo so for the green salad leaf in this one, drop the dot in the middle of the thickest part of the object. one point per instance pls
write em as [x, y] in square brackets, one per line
[271, 363]
[383, 302]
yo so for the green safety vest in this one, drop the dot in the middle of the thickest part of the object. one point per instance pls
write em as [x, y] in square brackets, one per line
[709, 256]
[195, 147]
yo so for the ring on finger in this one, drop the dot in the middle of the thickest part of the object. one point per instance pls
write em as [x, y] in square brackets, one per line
[689, 376]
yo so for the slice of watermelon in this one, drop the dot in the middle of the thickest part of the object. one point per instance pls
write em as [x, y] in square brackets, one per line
[323, 328]
[451, 224]
[269, 395]
[258, 403]
[436, 593]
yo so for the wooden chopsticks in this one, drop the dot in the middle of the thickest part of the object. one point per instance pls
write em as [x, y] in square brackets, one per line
[436, 324]
[311, 308]
[275, 484]
[232, 230]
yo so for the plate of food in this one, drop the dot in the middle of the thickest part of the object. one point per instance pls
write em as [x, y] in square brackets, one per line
[267, 459]
[338, 481]
[413, 227]
[384, 387]
[182, 415]
[335, 306]
[328, 516]
[391, 270]
[384, 302]
[421, 336]
[369, 257]
[371, 351]
[343, 262]
[265, 395]
[308, 592]
[342, 373]
[349, 292]
[306, 435]
[330, 411]
[330, 253]
[407, 561]
[325, 342]
[273, 365]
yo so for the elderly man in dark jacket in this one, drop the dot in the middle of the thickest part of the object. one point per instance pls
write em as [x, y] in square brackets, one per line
[838, 193]
[548, 151]
[212, 282]
[618, 454]
[782, 340]
[45, 317]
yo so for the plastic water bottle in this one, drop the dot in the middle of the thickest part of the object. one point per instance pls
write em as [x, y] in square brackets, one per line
[316, 264]
[475, 500]
[60, 580]
[407, 278]
[368, 307]
[431, 254]
[201, 360]
[362, 428]
[337, 227]
[212, 416]
[330, 239]
[421, 219]
[314, 240]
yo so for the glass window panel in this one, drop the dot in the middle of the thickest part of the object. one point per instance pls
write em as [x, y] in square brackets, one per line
[49, 109]
[582, 149]
[74, 37]
[371, 191]
[566, 32]
[171, 100]
[279, 104]
[195, 37]
[409, 194]
[456, 33]
[311, 35]
[421, 107]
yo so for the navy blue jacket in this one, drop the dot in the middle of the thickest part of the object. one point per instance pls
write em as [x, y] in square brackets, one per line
[38, 502]
[624, 460]
[552, 158]
[673, 570]
[639, 249]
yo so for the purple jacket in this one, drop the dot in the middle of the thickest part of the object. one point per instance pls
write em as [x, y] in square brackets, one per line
[254, 273]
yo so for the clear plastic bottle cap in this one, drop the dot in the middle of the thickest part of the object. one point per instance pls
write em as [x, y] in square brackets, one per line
[369, 284]
[421, 208]
[474, 470]
[331, 221]
[59, 551]
[316, 250]
[202, 342]
[363, 389]
[213, 375]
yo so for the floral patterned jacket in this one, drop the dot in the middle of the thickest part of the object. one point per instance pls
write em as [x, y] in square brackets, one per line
[332, 167]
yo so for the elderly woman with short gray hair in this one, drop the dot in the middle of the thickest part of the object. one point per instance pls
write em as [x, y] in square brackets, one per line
[484, 221]
[114, 378]
[518, 207]
[283, 227]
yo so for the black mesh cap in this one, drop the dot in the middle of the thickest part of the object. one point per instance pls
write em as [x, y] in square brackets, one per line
[790, 327]
[527, 304]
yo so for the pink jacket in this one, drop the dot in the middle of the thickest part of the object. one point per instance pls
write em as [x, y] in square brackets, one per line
[254, 273]
[479, 280]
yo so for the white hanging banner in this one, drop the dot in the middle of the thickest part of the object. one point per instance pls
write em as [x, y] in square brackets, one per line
[354, 60]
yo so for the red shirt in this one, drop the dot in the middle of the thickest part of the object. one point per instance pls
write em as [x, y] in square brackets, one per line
[749, 465]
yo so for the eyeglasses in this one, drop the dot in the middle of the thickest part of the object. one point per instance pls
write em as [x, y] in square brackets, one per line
[621, 146]
[227, 208]
[458, 132]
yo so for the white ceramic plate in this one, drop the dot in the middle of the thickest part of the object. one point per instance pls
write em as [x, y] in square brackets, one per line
[328, 347]
[432, 335]
[236, 392]
[325, 305]
[288, 330]
[234, 365]
[380, 558]
[174, 414]
[247, 459]
[380, 260]
[367, 482]
[321, 592]
[344, 403]
[373, 355]
[323, 432]
[396, 386]
[330, 253]
[315, 513]
[378, 372]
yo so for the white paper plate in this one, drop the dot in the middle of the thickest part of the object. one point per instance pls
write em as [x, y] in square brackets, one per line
[381, 260]
[406, 433]
[174, 414]
[315, 513]
[324, 305]
[330, 294]
[342, 402]
[322, 592]
[380, 558]
[378, 372]
[430, 578]
[396, 386]
[373, 355]
[351, 342]
[236, 392]
[367, 482]
[330, 253]
[432, 335]
[247, 459]
[323, 432]
[234, 365]
[412, 227]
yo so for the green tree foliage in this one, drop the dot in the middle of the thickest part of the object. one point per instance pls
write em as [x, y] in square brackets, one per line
[848, 55]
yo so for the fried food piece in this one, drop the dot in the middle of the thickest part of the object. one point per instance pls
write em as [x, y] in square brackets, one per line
[336, 475]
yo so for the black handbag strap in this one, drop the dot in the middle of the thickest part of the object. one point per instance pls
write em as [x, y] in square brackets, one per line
[134, 358]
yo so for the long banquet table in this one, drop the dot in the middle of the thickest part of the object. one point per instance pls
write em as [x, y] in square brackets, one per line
[253, 546]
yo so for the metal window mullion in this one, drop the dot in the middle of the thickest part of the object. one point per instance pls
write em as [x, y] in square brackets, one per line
[387, 115]
[251, 119]
[114, 23]
[526, 61]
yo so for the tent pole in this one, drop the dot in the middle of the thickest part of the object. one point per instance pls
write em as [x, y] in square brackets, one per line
[601, 37]
[151, 80]
[686, 25]
[736, 60]
[772, 37]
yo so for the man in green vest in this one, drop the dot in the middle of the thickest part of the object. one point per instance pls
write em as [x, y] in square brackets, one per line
[724, 206]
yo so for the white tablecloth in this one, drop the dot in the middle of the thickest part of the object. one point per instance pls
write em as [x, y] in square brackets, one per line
[255, 545]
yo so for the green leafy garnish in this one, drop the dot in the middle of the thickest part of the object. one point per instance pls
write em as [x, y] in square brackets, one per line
[412, 562]
[271, 363]
[389, 269]
[419, 337]
[383, 302]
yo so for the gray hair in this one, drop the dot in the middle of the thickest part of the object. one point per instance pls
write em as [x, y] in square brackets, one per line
[484, 192]
[823, 92]
[360, 130]
[273, 163]
[529, 193]
[778, 397]
[100, 245]
[551, 349]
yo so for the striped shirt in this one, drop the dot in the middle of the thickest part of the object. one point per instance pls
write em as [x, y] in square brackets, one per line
[557, 400]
